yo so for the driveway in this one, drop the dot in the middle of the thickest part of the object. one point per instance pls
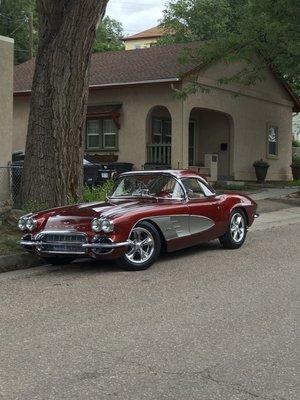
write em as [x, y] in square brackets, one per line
[202, 324]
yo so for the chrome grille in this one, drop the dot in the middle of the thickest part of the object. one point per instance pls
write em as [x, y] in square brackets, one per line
[62, 243]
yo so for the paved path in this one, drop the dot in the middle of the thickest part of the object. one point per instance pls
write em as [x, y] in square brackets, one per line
[277, 219]
[203, 324]
[271, 193]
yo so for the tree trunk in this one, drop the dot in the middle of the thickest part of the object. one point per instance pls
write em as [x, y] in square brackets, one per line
[53, 166]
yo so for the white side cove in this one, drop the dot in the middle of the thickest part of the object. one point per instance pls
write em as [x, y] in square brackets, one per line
[178, 226]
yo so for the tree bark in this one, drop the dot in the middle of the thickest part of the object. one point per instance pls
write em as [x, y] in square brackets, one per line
[53, 165]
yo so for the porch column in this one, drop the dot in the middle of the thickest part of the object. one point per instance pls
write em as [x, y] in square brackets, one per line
[6, 110]
[180, 136]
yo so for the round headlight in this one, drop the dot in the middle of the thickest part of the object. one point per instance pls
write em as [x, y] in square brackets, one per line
[31, 224]
[22, 224]
[107, 226]
[96, 225]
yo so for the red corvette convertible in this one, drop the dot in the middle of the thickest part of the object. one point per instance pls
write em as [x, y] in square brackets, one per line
[146, 213]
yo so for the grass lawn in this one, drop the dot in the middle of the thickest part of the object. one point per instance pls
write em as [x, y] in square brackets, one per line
[294, 183]
[9, 238]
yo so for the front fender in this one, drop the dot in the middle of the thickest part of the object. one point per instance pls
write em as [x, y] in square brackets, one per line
[249, 210]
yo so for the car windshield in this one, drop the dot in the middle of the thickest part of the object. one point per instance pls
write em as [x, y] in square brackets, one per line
[147, 185]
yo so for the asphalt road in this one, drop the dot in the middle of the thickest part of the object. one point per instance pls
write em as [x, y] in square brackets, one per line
[202, 324]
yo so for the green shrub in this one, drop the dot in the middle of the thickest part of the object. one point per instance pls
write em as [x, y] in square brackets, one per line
[33, 207]
[93, 193]
[293, 183]
[98, 193]
[296, 143]
[89, 195]
[296, 161]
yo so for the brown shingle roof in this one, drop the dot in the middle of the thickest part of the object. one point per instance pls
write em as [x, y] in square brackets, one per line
[157, 31]
[158, 63]
[121, 67]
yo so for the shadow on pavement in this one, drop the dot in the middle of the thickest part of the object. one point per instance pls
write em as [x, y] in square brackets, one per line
[89, 266]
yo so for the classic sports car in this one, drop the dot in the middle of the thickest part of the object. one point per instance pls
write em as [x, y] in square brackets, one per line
[146, 213]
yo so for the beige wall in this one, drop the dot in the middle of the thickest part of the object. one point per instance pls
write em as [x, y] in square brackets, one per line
[249, 113]
[20, 121]
[251, 109]
[6, 107]
[139, 43]
[137, 102]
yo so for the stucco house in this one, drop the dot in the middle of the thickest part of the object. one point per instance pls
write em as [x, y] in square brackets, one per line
[6, 112]
[133, 113]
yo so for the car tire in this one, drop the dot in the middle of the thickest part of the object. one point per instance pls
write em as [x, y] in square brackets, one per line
[58, 260]
[236, 233]
[145, 248]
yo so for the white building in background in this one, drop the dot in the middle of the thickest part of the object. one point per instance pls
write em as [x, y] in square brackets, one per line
[296, 127]
[145, 39]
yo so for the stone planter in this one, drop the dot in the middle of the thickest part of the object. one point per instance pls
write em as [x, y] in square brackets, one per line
[261, 172]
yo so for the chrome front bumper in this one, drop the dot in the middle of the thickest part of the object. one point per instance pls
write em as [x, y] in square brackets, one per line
[46, 244]
[109, 246]
[105, 246]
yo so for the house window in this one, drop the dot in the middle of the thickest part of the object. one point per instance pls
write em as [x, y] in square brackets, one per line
[272, 141]
[109, 134]
[161, 131]
[102, 134]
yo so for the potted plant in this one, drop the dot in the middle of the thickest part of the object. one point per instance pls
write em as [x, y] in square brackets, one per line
[261, 169]
[296, 167]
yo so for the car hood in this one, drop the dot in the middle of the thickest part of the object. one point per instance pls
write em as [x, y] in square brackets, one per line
[79, 216]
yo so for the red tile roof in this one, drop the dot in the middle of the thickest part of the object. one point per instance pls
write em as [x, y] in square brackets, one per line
[155, 32]
[158, 63]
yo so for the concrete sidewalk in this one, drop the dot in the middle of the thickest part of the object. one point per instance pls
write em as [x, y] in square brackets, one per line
[274, 193]
[276, 219]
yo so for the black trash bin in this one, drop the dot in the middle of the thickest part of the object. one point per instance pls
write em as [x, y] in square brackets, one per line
[156, 167]
[121, 167]
[16, 176]
[105, 175]
[96, 174]
[90, 173]
[18, 156]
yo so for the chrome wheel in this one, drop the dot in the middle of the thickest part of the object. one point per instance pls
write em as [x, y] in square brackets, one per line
[141, 246]
[237, 227]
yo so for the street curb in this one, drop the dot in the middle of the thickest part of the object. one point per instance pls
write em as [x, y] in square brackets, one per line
[15, 262]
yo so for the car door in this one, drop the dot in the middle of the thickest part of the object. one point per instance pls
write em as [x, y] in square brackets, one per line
[205, 211]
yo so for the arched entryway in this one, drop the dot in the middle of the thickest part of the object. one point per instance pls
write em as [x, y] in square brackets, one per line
[159, 137]
[210, 134]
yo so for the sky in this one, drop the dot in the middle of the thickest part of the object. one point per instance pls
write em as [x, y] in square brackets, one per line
[136, 15]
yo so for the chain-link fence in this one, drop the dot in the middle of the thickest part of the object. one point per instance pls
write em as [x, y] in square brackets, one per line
[10, 184]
